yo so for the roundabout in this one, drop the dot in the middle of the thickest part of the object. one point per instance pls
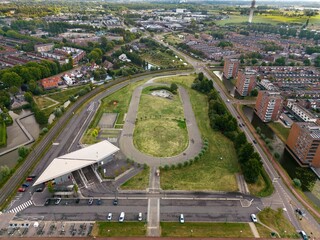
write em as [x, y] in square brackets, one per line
[165, 132]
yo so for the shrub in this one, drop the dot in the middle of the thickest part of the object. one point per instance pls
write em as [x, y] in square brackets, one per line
[145, 166]
[190, 162]
[180, 165]
[186, 163]
[166, 167]
[173, 166]
[196, 158]
[276, 155]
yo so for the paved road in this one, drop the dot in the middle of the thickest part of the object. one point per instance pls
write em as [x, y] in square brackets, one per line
[126, 138]
[288, 201]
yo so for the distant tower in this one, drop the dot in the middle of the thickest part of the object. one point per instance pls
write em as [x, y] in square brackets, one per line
[253, 4]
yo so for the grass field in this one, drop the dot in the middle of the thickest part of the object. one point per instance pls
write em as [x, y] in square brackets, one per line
[188, 229]
[162, 59]
[43, 102]
[157, 132]
[172, 39]
[64, 95]
[3, 134]
[272, 19]
[116, 229]
[209, 173]
[276, 221]
[138, 182]
[280, 130]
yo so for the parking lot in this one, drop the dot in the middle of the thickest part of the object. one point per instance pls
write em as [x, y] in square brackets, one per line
[49, 228]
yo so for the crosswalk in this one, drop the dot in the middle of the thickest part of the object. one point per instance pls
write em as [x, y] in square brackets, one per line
[21, 207]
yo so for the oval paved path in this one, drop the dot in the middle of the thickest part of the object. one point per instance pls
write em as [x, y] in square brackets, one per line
[126, 138]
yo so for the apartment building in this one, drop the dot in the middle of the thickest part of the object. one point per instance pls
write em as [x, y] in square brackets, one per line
[268, 105]
[246, 82]
[300, 111]
[303, 143]
[231, 67]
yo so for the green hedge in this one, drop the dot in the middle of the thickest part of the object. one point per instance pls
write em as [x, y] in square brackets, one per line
[3, 134]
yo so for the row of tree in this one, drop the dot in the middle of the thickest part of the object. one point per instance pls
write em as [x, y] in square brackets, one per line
[223, 121]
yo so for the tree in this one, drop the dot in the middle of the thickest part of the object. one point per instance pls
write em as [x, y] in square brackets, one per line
[11, 79]
[251, 170]
[307, 62]
[41, 118]
[23, 151]
[254, 92]
[4, 172]
[317, 61]
[50, 187]
[13, 90]
[240, 140]
[297, 182]
[173, 87]
[28, 97]
[245, 152]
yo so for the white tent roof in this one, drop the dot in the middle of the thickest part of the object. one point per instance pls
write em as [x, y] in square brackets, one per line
[76, 160]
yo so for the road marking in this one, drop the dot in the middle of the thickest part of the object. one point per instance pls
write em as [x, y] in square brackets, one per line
[21, 207]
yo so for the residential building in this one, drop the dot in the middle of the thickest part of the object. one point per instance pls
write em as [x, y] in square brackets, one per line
[43, 47]
[268, 105]
[303, 143]
[300, 111]
[246, 82]
[49, 83]
[230, 69]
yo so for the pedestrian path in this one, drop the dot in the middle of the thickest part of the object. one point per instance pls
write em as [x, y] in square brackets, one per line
[21, 207]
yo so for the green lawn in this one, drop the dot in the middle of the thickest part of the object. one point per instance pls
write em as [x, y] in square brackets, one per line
[222, 230]
[162, 59]
[43, 102]
[281, 131]
[276, 221]
[116, 229]
[158, 132]
[209, 173]
[3, 134]
[64, 95]
[139, 181]
[268, 19]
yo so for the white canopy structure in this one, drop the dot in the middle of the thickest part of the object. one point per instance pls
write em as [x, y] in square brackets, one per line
[76, 160]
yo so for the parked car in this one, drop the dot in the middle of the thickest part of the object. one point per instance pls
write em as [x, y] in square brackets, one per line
[39, 189]
[47, 202]
[109, 216]
[254, 218]
[90, 201]
[57, 202]
[254, 141]
[140, 216]
[22, 189]
[121, 217]
[77, 200]
[181, 218]
[25, 185]
[32, 176]
[29, 179]
[99, 202]
[115, 202]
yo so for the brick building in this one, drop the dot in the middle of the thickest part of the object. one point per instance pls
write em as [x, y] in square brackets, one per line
[230, 69]
[303, 143]
[49, 83]
[246, 82]
[268, 105]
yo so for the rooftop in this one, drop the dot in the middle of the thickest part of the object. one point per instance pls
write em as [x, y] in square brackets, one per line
[76, 160]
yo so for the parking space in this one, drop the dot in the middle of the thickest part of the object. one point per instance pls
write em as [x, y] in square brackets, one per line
[51, 229]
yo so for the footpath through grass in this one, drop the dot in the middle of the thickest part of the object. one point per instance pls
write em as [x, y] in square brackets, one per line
[196, 229]
[210, 172]
[276, 221]
[139, 181]
[281, 131]
[116, 229]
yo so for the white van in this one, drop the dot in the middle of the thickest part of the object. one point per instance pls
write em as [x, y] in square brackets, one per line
[121, 218]
[140, 216]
